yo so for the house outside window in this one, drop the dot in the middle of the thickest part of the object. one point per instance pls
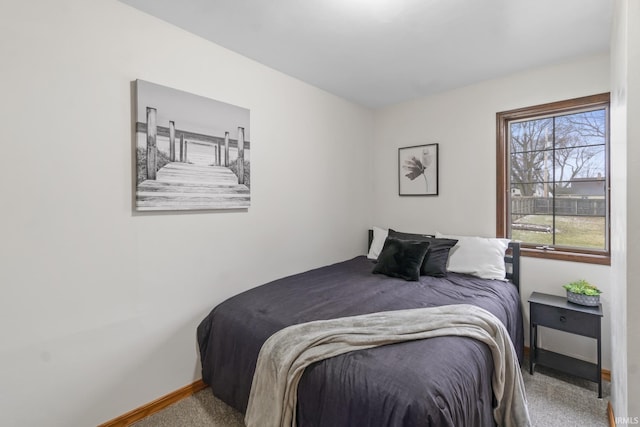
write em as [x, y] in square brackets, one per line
[553, 179]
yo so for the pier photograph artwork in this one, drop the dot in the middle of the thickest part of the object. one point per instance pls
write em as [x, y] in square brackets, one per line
[192, 152]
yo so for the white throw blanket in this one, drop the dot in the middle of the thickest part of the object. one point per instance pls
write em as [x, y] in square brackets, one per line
[285, 355]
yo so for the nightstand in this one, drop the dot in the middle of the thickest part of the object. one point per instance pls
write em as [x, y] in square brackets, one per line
[556, 312]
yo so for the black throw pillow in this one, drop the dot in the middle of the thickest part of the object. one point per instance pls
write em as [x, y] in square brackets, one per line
[435, 262]
[401, 258]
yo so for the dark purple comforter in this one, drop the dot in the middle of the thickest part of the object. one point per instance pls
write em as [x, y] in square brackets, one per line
[443, 381]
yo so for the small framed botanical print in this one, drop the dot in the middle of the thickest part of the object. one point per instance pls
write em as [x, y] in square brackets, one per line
[418, 170]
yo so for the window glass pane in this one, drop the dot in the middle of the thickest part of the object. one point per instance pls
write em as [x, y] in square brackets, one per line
[581, 231]
[581, 188]
[536, 229]
[582, 163]
[531, 205]
[529, 168]
[588, 128]
[532, 135]
[531, 189]
[580, 206]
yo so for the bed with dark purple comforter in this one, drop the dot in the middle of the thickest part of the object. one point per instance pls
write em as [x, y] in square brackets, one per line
[444, 381]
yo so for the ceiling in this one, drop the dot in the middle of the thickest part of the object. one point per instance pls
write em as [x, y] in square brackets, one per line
[380, 52]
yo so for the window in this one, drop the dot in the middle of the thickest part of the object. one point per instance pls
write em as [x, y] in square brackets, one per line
[553, 179]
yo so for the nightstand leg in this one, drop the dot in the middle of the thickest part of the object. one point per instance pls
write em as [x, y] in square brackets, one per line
[599, 362]
[532, 347]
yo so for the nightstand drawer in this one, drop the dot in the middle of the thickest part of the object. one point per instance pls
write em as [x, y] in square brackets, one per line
[566, 320]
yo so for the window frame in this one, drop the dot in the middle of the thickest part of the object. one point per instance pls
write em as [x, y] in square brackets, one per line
[503, 173]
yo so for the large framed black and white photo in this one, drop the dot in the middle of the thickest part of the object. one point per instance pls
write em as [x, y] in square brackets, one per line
[418, 170]
[192, 152]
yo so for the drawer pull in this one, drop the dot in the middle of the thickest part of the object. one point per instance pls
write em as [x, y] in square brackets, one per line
[563, 319]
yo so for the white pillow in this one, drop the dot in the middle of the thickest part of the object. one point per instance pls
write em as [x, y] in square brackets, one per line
[379, 236]
[479, 256]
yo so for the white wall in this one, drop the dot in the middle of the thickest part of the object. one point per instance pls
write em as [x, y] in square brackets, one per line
[633, 206]
[619, 209]
[463, 122]
[625, 226]
[99, 305]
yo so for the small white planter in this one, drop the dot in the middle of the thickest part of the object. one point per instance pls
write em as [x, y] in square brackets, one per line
[588, 300]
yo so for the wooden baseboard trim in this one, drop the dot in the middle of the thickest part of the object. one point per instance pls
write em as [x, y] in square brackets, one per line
[155, 406]
[612, 418]
[606, 374]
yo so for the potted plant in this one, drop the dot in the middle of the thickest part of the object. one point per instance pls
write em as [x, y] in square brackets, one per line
[583, 293]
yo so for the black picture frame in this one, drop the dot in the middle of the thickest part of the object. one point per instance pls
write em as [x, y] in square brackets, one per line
[418, 170]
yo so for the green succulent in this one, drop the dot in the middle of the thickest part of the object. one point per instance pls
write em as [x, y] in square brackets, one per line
[582, 287]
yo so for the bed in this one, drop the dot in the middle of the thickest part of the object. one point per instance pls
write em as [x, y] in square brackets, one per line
[443, 381]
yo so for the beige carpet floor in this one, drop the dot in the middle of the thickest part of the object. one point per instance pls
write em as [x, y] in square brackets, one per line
[554, 400]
